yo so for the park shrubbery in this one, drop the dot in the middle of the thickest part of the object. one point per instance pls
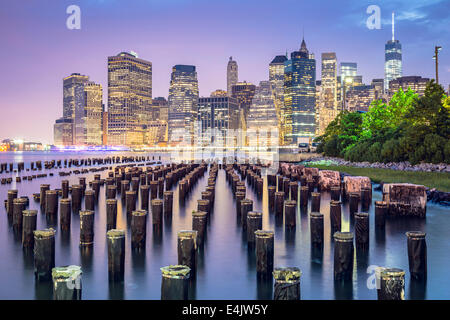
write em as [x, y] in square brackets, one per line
[408, 128]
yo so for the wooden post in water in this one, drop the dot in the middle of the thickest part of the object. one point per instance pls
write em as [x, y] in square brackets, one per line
[175, 282]
[381, 209]
[316, 226]
[304, 192]
[199, 221]
[116, 254]
[44, 254]
[44, 188]
[279, 200]
[28, 228]
[392, 284]
[131, 201]
[335, 216]
[111, 214]
[76, 198]
[353, 204]
[89, 200]
[246, 206]
[19, 204]
[294, 190]
[362, 230]
[254, 223]
[343, 256]
[290, 213]
[86, 228]
[335, 193]
[417, 254]
[51, 202]
[144, 196]
[287, 283]
[187, 249]
[138, 229]
[65, 189]
[65, 214]
[315, 202]
[168, 203]
[264, 253]
[157, 212]
[66, 283]
[271, 192]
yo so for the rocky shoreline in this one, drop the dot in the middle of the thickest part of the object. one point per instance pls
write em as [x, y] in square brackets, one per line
[433, 195]
[402, 166]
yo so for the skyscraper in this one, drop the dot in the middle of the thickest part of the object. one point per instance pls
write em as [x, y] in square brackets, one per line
[328, 106]
[73, 94]
[299, 96]
[415, 83]
[232, 75]
[276, 78]
[243, 92]
[262, 124]
[183, 99]
[348, 70]
[63, 132]
[87, 124]
[393, 59]
[217, 116]
[129, 98]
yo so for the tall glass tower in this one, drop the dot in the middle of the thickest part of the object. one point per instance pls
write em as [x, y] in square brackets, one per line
[232, 75]
[393, 59]
[183, 103]
[129, 98]
[299, 96]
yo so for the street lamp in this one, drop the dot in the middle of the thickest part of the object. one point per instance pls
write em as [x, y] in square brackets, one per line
[436, 57]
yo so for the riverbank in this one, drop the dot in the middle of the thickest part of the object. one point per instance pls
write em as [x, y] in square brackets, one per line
[437, 183]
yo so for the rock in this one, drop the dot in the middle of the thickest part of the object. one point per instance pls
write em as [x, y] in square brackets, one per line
[310, 172]
[354, 184]
[328, 179]
[405, 199]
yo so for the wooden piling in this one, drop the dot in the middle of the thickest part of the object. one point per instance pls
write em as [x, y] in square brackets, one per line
[66, 283]
[65, 214]
[116, 254]
[264, 246]
[138, 229]
[28, 227]
[254, 223]
[175, 282]
[187, 249]
[86, 228]
[287, 283]
[343, 256]
[44, 254]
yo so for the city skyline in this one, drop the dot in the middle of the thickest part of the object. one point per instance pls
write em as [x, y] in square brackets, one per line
[35, 88]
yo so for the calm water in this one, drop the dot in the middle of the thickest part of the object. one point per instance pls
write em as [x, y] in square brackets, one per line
[226, 268]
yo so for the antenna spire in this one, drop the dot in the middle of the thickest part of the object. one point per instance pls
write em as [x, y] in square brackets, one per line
[393, 27]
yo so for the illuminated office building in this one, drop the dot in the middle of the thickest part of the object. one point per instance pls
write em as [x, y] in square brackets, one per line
[276, 78]
[156, 132]
[105, 127]
[243, 92]
[359, 98]
[219, 93]
[218, 121]
[160, 109]
[328, 104]
[129, 98]
[262, 124]
[416, 83]
[378, 85]
[299, 96]
[232, 75]
[393, 59]
[73, 94]
[183, 100]
[63, 132]
[348, 70]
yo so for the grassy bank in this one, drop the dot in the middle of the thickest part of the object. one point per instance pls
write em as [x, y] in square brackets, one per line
[438, 180]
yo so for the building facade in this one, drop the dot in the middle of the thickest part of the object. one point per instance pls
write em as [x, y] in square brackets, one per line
[63, 132]
[276, 78]
[232, 75]
[243, 92]
[73, 94]
[129, 98]
[299, 96]
[183, 100]
[218, 121]
[416, 83]
[262, 124]
[328, 104]
[359, 98]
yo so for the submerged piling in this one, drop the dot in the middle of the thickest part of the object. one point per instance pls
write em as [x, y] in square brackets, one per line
[417, 254]
[28, 227]
[116, 254]
[287, 283]
[111, 214]
[175, 282]
[381, 209]
[86, 228]
[199, 220]
[44, 254]
[343, 255]
[290, 213]
[335, 216]
[187, 249]
[168, 203]
[254, 223]
[65, 214]
[316, 226]
[392, 284]
[264, 246]
[362, 230]
[138, 229]
[67, 283]
[315, 202]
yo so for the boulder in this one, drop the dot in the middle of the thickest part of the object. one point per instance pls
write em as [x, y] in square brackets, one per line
[310, 172]
[354, 184]
[328, 179]
[405, 199]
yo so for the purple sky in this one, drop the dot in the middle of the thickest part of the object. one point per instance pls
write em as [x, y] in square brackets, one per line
[38, 50]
